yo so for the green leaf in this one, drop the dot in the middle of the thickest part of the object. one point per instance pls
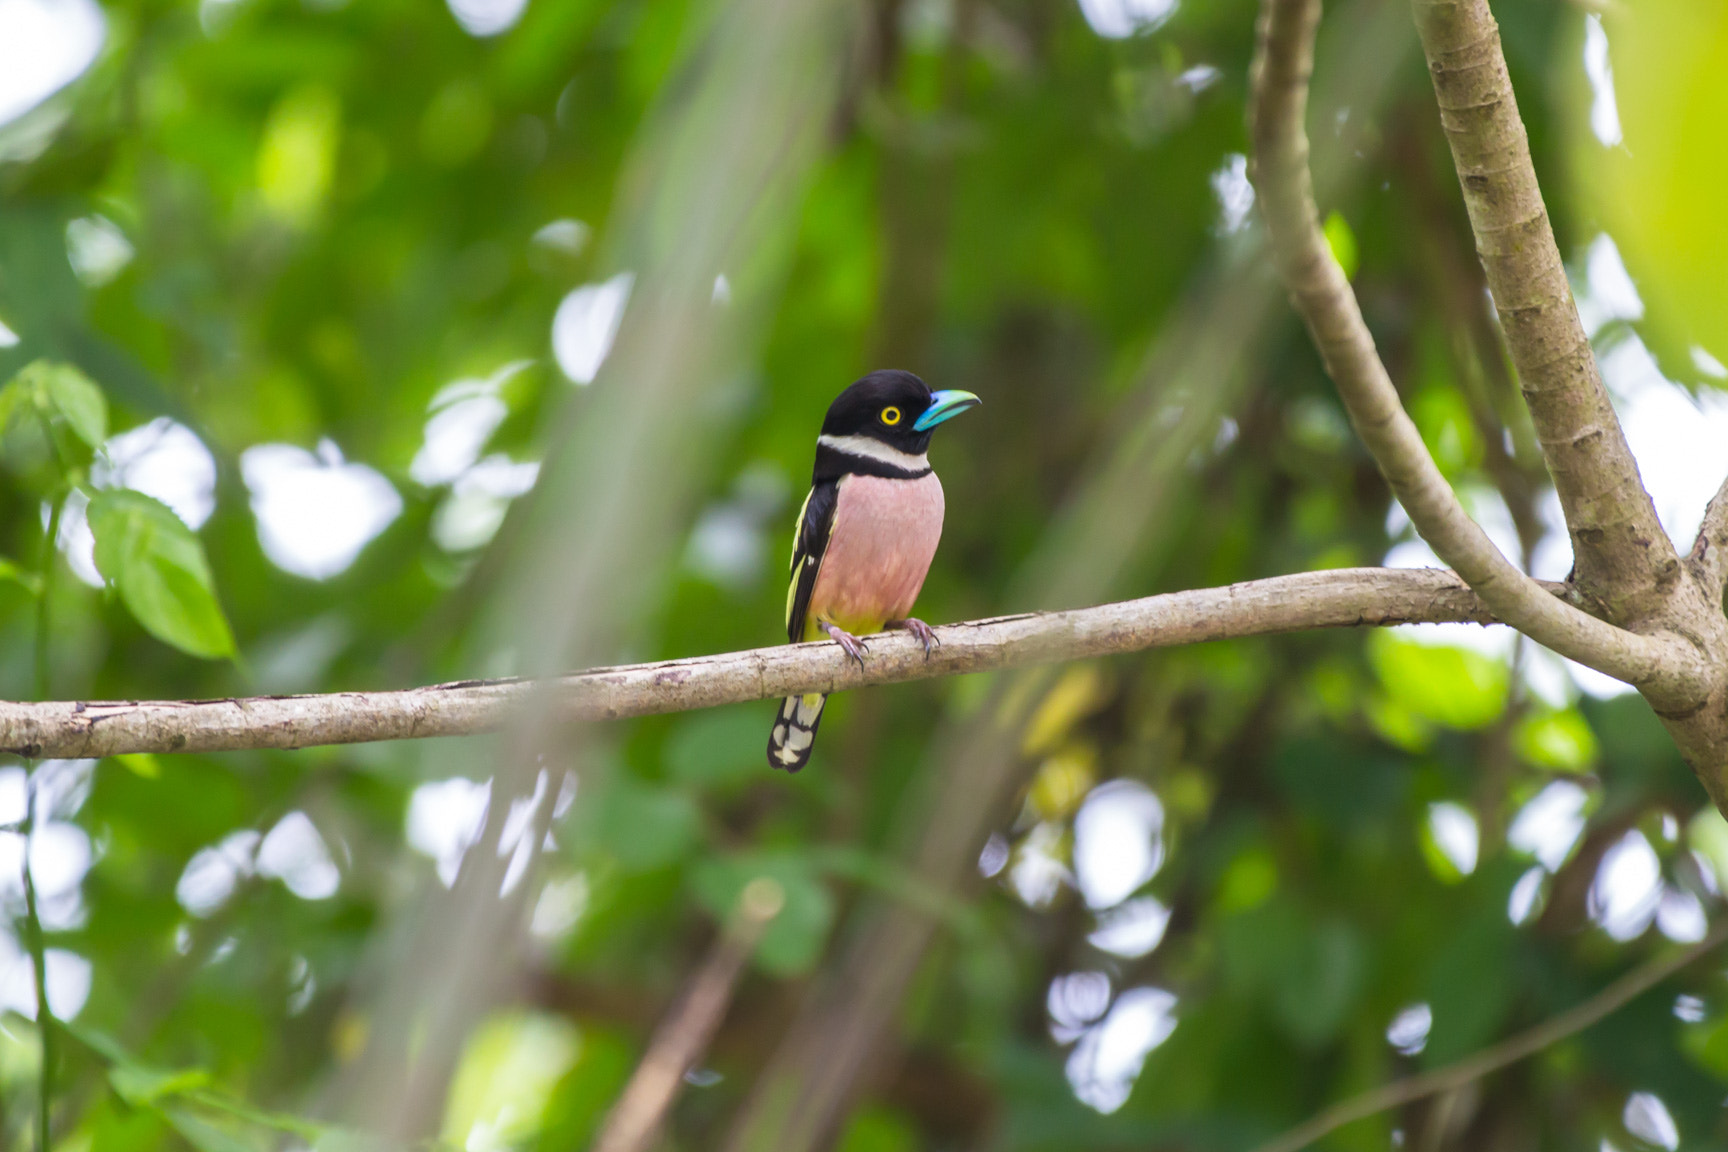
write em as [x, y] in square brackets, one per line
[206, 1136]
[1342, 241]
[12, 573]
[15, 398]
[510, 1067]
[1707, 1043]
[142, 763]
[793, 941]
[1397, 724]
[55, 388]
[1319, 982]
[77, 399]
[141, 1086]
[1470, 985]
[899, 883]
[720, 749]
[158, 566]
[1659, 190]
[588, 1090]
[1562, 741]
[645, 826]
[1450, 686]
[181, 1096]
[1439, 862]
[875, 1129]
[1707, 835]
[1249, 881]
[1257, 946]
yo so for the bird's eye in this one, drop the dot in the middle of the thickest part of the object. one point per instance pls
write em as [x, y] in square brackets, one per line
[890, 415]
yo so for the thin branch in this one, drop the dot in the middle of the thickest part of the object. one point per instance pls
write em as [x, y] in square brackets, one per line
[1490, 1060]
[39, 969]
[684, 1035]
[33, 937]
[1341, 598]
[1710, 551]
[1623, 556]
[45, 597]
[1284, 62]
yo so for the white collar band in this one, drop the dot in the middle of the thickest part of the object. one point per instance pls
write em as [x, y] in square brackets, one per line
[872, 449]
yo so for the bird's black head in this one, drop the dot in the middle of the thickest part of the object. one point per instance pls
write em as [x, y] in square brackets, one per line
[895, 408]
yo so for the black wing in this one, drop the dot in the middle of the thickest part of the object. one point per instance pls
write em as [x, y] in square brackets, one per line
[810, 541]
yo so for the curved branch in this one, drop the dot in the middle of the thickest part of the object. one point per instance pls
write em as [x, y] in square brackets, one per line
[1284, 61]
[1490, 1060]
[1341, 598]
[1624, 558]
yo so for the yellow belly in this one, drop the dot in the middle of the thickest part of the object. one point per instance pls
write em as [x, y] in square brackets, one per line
[857, 625]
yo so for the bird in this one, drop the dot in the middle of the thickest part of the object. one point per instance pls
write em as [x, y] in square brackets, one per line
[866, 533]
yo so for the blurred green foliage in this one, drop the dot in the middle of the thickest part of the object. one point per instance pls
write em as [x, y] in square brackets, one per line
[1656, 198]
[327, 225]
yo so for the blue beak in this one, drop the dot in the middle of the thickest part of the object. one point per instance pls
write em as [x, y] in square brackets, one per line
[944, 406]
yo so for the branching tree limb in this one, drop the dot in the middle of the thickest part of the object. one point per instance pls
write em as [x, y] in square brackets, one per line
[1710, 551]
[1340, 598]
[1509, 1051]
[1624, 558]
[1327, 303]
[1661, 624]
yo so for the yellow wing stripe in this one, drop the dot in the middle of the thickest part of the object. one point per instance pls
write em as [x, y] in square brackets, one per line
[798, 535]
[792, 588]
[798, 556]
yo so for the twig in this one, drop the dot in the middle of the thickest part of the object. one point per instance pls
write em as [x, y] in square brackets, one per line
[1341, 598]
[684, 1035]
[1490, 1060]
[1284, 62]
[1623, 556]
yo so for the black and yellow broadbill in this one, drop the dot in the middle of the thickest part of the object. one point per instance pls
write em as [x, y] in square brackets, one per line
[866, 534]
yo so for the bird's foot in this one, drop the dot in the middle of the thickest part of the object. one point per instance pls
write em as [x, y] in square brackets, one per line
[925, 634]
[854, 647]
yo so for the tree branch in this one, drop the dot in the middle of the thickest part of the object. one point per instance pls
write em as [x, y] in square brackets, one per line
[1710, 551]
[1623, 556]
[1490, 1060]
[1284, 62]
[1340, 598]
[640, 1113]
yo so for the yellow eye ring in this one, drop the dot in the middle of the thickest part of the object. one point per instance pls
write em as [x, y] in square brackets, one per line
[890, 415]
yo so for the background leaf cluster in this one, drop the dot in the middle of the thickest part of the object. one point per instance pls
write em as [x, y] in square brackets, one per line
[339, 221]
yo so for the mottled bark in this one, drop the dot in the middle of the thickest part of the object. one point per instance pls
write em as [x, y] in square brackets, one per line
[1709, 556]
[1624, 558]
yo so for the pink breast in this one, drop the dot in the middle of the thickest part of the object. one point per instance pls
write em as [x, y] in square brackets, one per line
[884, 537]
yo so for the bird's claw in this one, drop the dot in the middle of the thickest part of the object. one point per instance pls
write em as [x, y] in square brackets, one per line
[924, 633]
[853, 646]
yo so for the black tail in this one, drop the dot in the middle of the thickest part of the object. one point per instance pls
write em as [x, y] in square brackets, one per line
[795, 731]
